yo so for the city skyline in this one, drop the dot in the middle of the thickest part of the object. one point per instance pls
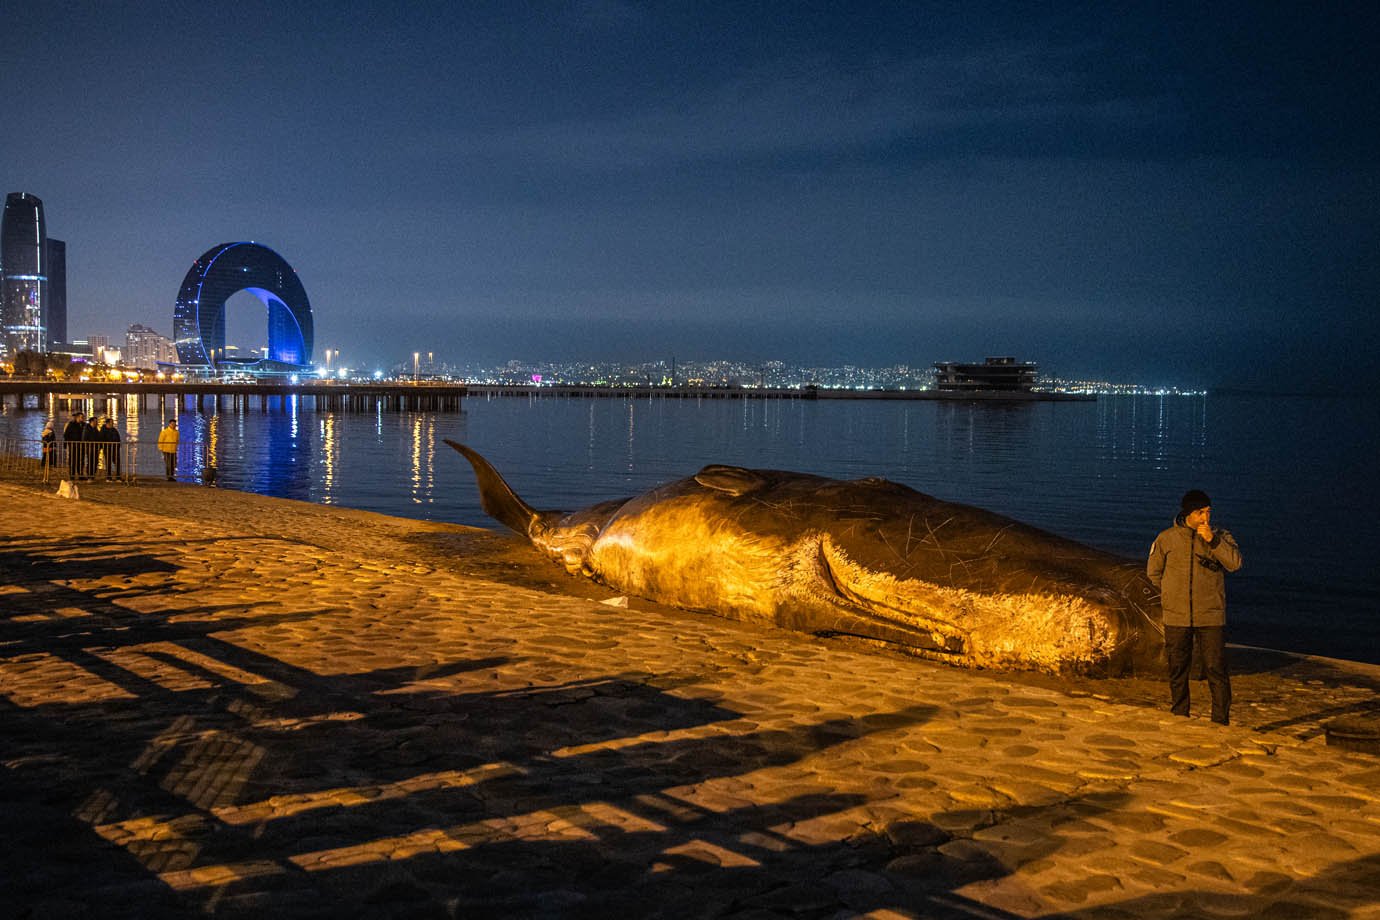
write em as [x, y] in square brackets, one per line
[1178, 194]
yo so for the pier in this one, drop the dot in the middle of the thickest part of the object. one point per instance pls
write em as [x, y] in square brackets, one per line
[388, 396]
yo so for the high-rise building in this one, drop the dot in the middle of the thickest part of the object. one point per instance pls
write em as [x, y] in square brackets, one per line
[145, 348]
[225, 270]
[55, 305]
[23, 258]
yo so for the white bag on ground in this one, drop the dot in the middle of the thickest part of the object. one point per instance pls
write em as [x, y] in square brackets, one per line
[68, 489]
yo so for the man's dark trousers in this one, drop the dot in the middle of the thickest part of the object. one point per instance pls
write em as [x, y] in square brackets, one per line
[1212, 646]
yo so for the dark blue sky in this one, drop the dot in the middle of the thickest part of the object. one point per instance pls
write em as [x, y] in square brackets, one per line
[1178, 193]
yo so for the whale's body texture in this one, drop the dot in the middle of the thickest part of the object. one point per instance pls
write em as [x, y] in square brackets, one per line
[867, 558]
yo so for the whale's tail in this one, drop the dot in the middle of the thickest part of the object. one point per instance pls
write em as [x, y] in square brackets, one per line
[499, 500]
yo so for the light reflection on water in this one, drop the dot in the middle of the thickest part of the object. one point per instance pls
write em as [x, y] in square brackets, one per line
[330, 450]
[1291, 477]
[423, 480]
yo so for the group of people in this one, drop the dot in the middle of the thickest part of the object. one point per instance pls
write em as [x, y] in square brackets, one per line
[95, 444]
[91, 445]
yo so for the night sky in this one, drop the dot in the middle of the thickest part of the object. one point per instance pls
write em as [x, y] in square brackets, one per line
[1182, 194]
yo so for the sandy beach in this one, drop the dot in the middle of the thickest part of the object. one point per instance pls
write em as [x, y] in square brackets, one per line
[217, 703]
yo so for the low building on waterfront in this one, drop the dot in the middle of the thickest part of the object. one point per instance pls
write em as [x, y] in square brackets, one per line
[996, 375]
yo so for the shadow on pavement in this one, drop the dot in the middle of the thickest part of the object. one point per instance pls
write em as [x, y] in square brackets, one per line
[155, 765]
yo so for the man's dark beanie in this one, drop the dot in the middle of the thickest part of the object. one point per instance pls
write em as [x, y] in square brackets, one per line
[1193, 500]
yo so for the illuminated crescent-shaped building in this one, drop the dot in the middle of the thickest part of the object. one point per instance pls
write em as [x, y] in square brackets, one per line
[225, 270]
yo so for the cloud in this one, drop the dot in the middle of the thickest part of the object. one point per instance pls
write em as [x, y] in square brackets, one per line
[961, 103]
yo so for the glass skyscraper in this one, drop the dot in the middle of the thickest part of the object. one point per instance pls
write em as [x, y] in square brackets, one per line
[23, 261]
[55, 304]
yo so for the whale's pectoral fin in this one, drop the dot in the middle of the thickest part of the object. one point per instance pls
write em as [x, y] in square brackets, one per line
[731, 479]
[860, 615]
[839, 611]
[850, 620]
[500, 502]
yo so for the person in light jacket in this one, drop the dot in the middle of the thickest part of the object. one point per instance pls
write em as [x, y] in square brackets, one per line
[1188, 563]
[167, 443]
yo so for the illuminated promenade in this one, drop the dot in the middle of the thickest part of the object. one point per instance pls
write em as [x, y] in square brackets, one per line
[235, 705]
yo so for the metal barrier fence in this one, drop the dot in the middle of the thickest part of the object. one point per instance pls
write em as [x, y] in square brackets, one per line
[121, 461]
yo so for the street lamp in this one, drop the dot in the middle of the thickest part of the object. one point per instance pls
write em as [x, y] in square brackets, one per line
[416, 362]
[328, 360]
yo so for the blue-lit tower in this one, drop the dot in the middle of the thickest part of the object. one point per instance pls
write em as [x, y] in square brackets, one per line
[23, 274]
[225, 270]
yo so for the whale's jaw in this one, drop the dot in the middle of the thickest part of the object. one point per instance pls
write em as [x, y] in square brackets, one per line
[1087, 633]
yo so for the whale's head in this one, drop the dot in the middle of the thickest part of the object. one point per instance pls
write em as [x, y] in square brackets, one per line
[1086, 626]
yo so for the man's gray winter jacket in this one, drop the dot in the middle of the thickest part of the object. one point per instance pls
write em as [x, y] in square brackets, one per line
[1189, 571]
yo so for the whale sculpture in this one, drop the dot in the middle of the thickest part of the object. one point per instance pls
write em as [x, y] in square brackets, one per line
[866, 558]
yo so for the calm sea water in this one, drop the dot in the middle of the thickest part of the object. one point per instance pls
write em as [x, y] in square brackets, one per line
[1294, 479]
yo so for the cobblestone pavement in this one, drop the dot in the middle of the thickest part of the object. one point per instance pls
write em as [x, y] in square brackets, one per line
[303, 713]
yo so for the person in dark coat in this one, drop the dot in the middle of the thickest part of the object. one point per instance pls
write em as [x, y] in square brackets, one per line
[92, 439]
[110, 448]
[1188, 563]
[73, 437]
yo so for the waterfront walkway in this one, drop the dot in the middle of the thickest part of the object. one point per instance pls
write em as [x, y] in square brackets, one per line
[214, 703]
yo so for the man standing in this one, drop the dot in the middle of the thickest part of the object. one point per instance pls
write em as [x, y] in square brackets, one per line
[73, 434]
[91, 445]
[1187, 563]
[110, 448]
[167, 443]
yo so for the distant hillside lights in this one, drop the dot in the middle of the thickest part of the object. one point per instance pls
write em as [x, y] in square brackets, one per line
[749, 375]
